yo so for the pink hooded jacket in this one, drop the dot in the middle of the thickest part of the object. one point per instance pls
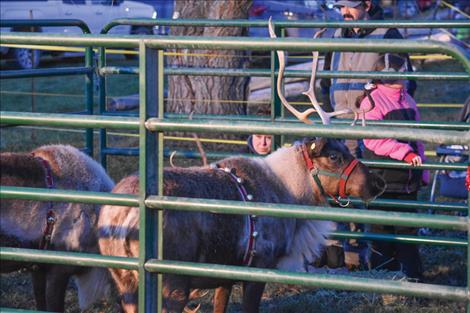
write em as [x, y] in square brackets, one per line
[387, 100]
[393, 104]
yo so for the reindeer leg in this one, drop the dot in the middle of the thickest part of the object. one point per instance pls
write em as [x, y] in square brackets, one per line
[57, 280]
[221, 298]
[39, 288]
[175, 293]
[252, 292]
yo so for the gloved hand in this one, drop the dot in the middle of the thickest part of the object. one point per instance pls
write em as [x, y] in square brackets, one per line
[413, 159]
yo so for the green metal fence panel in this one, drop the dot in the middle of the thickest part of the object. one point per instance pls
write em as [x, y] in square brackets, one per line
[151, 176]
[279, 128]
[241, 43]
[242, 273]
[87, 70]
[45, 72]
[44, 194]
[152, 120]
[286, 24]
[110, 70]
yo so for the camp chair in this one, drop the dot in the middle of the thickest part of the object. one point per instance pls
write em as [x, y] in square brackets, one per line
[451, 183]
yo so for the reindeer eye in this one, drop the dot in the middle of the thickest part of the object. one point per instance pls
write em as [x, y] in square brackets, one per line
[333, 156]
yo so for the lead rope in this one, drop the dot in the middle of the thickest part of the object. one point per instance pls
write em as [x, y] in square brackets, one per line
[250, 250]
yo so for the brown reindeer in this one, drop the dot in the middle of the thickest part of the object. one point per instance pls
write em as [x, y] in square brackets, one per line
[301, 174]
[54, 225]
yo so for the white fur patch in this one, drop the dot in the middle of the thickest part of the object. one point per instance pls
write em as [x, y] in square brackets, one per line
[307, 244]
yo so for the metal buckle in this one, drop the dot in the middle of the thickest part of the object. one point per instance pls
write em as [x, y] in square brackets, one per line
[343, 205]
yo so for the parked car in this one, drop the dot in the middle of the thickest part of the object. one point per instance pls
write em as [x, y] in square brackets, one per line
[95, 13]
[306, 10]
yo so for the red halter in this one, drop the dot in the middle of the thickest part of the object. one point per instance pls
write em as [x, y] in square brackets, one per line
[343, 177]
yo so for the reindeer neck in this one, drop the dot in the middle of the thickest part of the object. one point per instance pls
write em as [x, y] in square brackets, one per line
[19, 169]
[289, 166]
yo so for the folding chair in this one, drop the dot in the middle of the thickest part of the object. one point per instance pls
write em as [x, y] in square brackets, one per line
[451, 183]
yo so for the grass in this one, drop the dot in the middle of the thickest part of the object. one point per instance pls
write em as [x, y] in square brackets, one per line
[442, 265]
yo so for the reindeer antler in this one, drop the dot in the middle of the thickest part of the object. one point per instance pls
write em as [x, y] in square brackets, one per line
[310, 93]
[303, 116]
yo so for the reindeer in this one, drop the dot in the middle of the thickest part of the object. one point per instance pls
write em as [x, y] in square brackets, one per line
[54, 225]
[304, 173]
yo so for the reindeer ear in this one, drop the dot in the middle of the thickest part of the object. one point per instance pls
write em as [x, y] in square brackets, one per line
[314, 147]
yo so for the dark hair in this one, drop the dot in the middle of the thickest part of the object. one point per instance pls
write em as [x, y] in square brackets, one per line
[390, 62]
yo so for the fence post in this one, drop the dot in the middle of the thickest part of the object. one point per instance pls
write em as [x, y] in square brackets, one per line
[151, 172]
[102, 106]
[89, 85]
[468, 246]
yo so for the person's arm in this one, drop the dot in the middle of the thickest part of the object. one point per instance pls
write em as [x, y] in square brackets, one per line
[393, 33]
[388, 146]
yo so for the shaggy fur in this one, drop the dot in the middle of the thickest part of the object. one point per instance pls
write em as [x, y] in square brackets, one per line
[22, 222]
[284, 243]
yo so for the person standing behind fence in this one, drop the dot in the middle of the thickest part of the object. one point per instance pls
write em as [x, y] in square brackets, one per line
[390, 100]
[341, 93]
[258, 144]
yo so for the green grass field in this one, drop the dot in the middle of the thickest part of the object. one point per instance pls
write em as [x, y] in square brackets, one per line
[442, 265]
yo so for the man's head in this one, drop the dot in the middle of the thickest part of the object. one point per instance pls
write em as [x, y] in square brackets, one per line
[354, 10]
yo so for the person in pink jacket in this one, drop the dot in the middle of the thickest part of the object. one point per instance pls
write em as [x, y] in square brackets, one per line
[390, 101]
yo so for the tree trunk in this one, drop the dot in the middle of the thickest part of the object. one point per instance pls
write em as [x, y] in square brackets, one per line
[209, 94]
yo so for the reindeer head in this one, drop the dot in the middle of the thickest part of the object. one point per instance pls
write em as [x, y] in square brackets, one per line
[337, 173]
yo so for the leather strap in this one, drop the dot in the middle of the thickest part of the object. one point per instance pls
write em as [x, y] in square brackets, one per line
[345, 176]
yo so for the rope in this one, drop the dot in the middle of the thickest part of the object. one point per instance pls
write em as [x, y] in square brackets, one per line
[210, 140]
[212, 55]
[96, 132]
[304, 103]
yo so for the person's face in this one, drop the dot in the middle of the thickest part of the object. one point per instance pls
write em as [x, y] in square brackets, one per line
[354, 14]
[262, 143]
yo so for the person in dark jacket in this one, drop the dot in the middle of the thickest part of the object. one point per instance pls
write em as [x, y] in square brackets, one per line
[342, 93]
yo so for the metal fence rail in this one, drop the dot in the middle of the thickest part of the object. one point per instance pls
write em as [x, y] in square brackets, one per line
[279, 27]
[87, 70]
[151, 120]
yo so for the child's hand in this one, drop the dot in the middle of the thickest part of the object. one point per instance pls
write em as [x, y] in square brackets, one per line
[413, 159]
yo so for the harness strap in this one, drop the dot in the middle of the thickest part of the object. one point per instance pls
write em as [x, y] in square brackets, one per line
[308, 161]
[250, 250]
[345, 176]
[50, 217]
[47, 235]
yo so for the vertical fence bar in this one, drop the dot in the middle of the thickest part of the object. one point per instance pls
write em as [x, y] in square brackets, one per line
[149, 148]
[89, 84]
[102, 106]
[160, 155]
[468, 238]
